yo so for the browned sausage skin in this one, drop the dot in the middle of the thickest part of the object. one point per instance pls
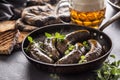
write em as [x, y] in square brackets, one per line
[49, 47]
[78, 36]
[95, 50]
[73, 56]
[36, 53]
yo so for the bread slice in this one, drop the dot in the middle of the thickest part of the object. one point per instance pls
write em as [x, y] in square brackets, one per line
[20, 39]
[7, 25]
[8, 40]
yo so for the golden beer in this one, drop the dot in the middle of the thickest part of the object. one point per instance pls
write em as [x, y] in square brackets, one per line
[88, 13]
[91, 19]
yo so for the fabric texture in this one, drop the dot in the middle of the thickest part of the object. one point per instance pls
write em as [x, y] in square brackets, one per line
[9, 9]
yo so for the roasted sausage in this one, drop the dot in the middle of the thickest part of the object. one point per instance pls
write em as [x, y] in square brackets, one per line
[73, 56]
[49, 46]
[37, 54]
[95, 50]
[78, 36]
[62, 46]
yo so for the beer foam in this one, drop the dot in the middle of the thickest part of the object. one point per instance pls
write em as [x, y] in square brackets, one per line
[87, 5]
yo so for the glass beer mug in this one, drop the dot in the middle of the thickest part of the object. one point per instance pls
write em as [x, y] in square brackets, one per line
[88, 13]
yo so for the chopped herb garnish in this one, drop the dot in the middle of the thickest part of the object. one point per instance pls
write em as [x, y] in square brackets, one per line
[67, 52]
[55, 77]
[109, 70]
[85, 43]
[82, 59]
[30, 39]
[57, 35]
[48, 35]
[112, 56]
[26, 49]
[70, 48]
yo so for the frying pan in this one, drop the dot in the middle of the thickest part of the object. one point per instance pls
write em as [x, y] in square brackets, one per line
[69, 68]
[100, 36]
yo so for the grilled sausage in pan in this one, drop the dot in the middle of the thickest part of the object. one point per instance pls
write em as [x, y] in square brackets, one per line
[80, 47]
[95, 50]
[78, 36]
[49, 46]
[62, 46]
[73, 56]
[37, 54]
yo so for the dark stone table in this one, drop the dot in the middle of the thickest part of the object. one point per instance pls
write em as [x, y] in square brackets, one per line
[17, 67]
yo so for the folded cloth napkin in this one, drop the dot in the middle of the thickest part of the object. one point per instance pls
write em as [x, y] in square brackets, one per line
[5, 10]
[9, 9]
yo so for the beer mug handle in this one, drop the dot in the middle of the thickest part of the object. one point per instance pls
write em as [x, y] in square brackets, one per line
[111, 20]
[62, 3]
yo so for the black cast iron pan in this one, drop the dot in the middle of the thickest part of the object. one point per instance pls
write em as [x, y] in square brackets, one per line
[100, 36]
[69, 68]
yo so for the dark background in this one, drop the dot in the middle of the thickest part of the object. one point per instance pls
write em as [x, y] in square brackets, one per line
[17, 67]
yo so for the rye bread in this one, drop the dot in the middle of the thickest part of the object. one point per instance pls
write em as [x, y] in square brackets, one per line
[7, 25]
[8, 40]
[21, 37]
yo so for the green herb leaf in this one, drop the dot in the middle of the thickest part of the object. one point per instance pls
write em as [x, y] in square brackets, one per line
[109, 70]
[118, 62]
[82, 59]
[71, 47]
[67, 52]
[26, 49]
[59, 36]
[30, 39]
[112, 56]
[48, 35]
[55, 77]
[85, 43]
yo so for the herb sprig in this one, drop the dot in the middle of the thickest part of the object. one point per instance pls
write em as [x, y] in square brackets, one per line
[70, 48]
[85, 43]
[109, 70]
[57, 35]
[30, 39]
[82, 59]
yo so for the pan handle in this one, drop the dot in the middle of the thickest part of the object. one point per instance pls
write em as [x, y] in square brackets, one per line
[111, 20]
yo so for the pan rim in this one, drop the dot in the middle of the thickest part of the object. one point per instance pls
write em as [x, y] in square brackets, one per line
[65, 65]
